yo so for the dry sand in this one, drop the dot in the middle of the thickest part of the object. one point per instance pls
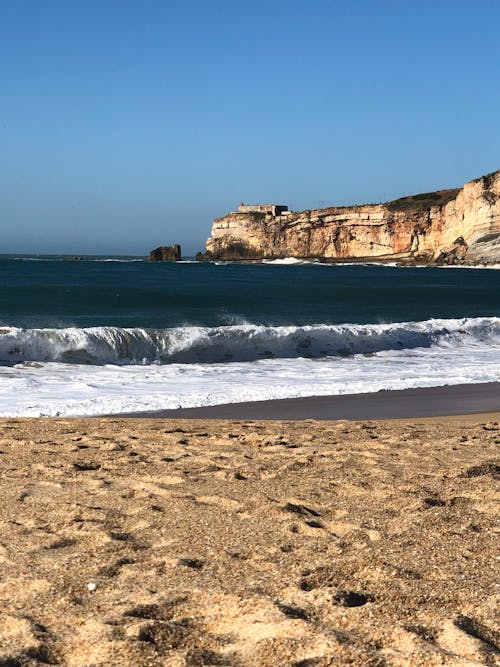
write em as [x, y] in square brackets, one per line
[249, 543]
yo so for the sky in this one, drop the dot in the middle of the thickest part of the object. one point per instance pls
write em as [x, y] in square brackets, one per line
[128, 124]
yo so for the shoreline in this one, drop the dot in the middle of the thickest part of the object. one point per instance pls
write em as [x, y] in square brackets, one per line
[387, 261]
[421, 402]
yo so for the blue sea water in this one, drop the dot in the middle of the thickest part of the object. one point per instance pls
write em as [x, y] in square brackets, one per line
[121, 333]
[132, 292]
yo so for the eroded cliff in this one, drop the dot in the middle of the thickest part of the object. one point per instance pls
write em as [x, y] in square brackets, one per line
[450, 226]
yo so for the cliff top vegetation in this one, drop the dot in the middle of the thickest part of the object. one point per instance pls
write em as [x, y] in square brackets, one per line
[423, 201]
[487, 179]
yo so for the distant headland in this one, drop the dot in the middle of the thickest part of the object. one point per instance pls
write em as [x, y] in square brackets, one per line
[454, 226]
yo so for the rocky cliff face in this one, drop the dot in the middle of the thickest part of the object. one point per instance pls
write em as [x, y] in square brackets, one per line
[450, 226]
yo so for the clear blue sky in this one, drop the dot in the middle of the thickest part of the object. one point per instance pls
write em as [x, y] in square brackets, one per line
[125, 124]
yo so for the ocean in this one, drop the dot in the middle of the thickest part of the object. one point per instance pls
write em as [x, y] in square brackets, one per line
[121, 334]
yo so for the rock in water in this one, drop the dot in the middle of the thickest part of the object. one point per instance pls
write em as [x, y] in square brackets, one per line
[166, 253]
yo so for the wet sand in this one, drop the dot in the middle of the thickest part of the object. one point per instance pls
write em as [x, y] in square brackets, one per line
[279, 543]
[406, 403]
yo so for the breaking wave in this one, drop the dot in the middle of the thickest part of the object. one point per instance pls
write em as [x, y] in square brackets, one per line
[244, 342]
[290, 261]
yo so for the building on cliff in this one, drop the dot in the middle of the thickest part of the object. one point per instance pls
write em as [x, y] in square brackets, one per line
[272, 209]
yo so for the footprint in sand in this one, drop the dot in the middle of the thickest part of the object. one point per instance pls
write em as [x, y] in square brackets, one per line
[469, 639]
[219, 501]
[21, 637]
[159, 488]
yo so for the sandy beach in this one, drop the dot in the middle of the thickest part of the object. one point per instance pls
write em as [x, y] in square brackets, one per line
[250, 334]
[249, 543]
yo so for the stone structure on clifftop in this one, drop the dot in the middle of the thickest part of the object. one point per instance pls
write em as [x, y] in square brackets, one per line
[271, 209]
[166, 253]
[460, 226]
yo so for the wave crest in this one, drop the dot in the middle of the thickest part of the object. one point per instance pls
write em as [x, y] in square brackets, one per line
[245, 342]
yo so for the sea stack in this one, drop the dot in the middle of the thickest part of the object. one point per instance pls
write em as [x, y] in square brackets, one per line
[166, 253]
[454, 226]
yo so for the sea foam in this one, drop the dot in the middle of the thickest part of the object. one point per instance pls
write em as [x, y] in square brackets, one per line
[40, 376]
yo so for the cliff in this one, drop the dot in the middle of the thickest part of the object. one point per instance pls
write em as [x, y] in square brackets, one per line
[449, 226]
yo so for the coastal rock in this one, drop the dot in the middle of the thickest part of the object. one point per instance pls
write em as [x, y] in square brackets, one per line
[460, 226]
[166, 253]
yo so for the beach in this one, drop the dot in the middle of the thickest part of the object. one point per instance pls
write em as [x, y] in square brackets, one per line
[250, 334]
[247, 465]
[154, 541]
[419, 402]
